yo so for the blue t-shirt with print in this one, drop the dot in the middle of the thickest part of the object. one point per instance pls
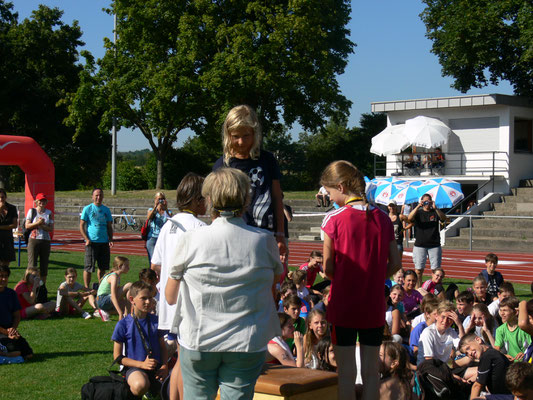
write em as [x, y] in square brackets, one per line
[127, 333]
[96, 218]
[261, 172]
[156, 224]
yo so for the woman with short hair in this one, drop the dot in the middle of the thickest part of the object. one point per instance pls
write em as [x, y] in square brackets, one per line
[225, 313]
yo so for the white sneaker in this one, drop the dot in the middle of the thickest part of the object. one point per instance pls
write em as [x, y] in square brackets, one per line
[86, 315]
[104, 315]
[96, 314]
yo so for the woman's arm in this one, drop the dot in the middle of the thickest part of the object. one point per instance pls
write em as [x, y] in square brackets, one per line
[396, 322]
[523, 318]
[13, 225]
[278, 216]
[171, 290]
[394, 262]
[113, 281]
[328, 257]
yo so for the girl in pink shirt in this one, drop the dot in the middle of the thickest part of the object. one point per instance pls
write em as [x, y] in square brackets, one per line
[359, 253]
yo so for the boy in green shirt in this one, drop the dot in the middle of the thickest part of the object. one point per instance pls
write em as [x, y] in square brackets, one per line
[509, 336]
[291, 307]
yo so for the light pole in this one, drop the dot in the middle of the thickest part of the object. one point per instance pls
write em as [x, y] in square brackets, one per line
[114, 128]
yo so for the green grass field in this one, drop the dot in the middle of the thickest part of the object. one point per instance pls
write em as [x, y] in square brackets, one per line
[68, 351]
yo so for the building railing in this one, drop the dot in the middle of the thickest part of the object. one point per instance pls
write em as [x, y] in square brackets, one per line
[472, 216]
[484, 163]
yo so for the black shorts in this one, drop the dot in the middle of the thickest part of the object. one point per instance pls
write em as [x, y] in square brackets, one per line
[348, 336]
[97, 253]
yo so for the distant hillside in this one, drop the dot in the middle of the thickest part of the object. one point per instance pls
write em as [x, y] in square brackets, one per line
[139, 157]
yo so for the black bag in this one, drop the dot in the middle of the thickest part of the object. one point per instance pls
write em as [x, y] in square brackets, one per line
[42, 294]
[112, 387]
[26, 232]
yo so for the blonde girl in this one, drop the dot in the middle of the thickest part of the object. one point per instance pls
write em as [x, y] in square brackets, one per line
[27, 294]
[479, 285]
[111, 297]
[241, 137]
[316, 329]
[359, 253]
[395, 373]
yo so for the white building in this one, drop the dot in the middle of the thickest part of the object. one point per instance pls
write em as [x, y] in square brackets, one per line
[491, 141]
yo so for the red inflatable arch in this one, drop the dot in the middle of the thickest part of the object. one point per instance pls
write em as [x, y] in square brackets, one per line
[31, 158]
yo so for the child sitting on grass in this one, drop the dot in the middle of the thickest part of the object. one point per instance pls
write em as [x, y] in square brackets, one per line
[278, 349]
[144, 369]
[479, 285]
[510, 339]
[492, 365]
[149, 276]
[291, 307]
[111, 297]
[493, 278]
[71, 296]
[395, 373]
[316, 329]
[326, 355]
[429, 309]
[464, 303]
[505, 290]
[287, 289]
[519, 380]
[10, 338]
[481, 323]
[27, 294]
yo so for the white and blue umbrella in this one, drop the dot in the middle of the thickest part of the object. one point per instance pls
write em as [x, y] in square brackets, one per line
[408, 193]
[373, 185]
[444, 192]
[385, 192]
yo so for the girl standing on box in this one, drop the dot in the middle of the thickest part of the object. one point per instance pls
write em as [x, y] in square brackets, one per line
[359, 253]
[241, 137]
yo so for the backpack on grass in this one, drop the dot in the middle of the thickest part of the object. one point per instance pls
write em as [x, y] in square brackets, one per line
[111, 387]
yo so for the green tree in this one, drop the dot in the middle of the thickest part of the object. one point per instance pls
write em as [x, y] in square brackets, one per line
[181, 65]
[482, 41]
[338, 142]
[38, 66]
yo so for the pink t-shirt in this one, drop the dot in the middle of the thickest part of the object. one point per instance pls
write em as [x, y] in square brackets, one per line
[361, 245]
[21, 288]
[311, 274]
[411, 301]
[429, 285]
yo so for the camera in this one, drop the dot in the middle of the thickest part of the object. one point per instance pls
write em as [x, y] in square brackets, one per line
[426, 203]
[161, 201]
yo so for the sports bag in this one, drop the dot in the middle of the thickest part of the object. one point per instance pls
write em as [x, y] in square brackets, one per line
[112, 387]
[144, 230]
[26, 232]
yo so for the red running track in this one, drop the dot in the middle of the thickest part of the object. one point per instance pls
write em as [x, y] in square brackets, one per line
[515, 267]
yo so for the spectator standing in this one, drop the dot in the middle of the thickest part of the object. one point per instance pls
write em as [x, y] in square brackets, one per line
[41, 223]
[157, 215]
[426, 217]
[96, 227]
[8, 222]
[225, 309]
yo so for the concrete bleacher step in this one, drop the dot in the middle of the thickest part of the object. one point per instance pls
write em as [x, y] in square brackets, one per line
[491, 243]
[499, 233]
[500, 224]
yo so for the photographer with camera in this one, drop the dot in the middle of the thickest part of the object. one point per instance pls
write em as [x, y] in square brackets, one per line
[157, 215]
[426, 217]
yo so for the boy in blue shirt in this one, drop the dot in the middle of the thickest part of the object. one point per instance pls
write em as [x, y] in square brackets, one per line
[144, 369]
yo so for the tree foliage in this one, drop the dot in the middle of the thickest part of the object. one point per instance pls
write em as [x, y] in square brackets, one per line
[482, 41]
[181, 65]
[38, 66]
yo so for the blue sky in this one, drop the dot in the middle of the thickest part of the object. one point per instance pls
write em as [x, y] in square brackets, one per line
[392, 60]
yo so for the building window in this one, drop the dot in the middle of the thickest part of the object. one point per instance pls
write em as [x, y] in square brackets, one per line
[523, 136]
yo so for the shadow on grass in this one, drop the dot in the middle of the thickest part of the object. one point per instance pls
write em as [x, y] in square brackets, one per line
[40, 357]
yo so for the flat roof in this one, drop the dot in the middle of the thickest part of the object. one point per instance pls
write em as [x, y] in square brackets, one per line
[452, 102]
